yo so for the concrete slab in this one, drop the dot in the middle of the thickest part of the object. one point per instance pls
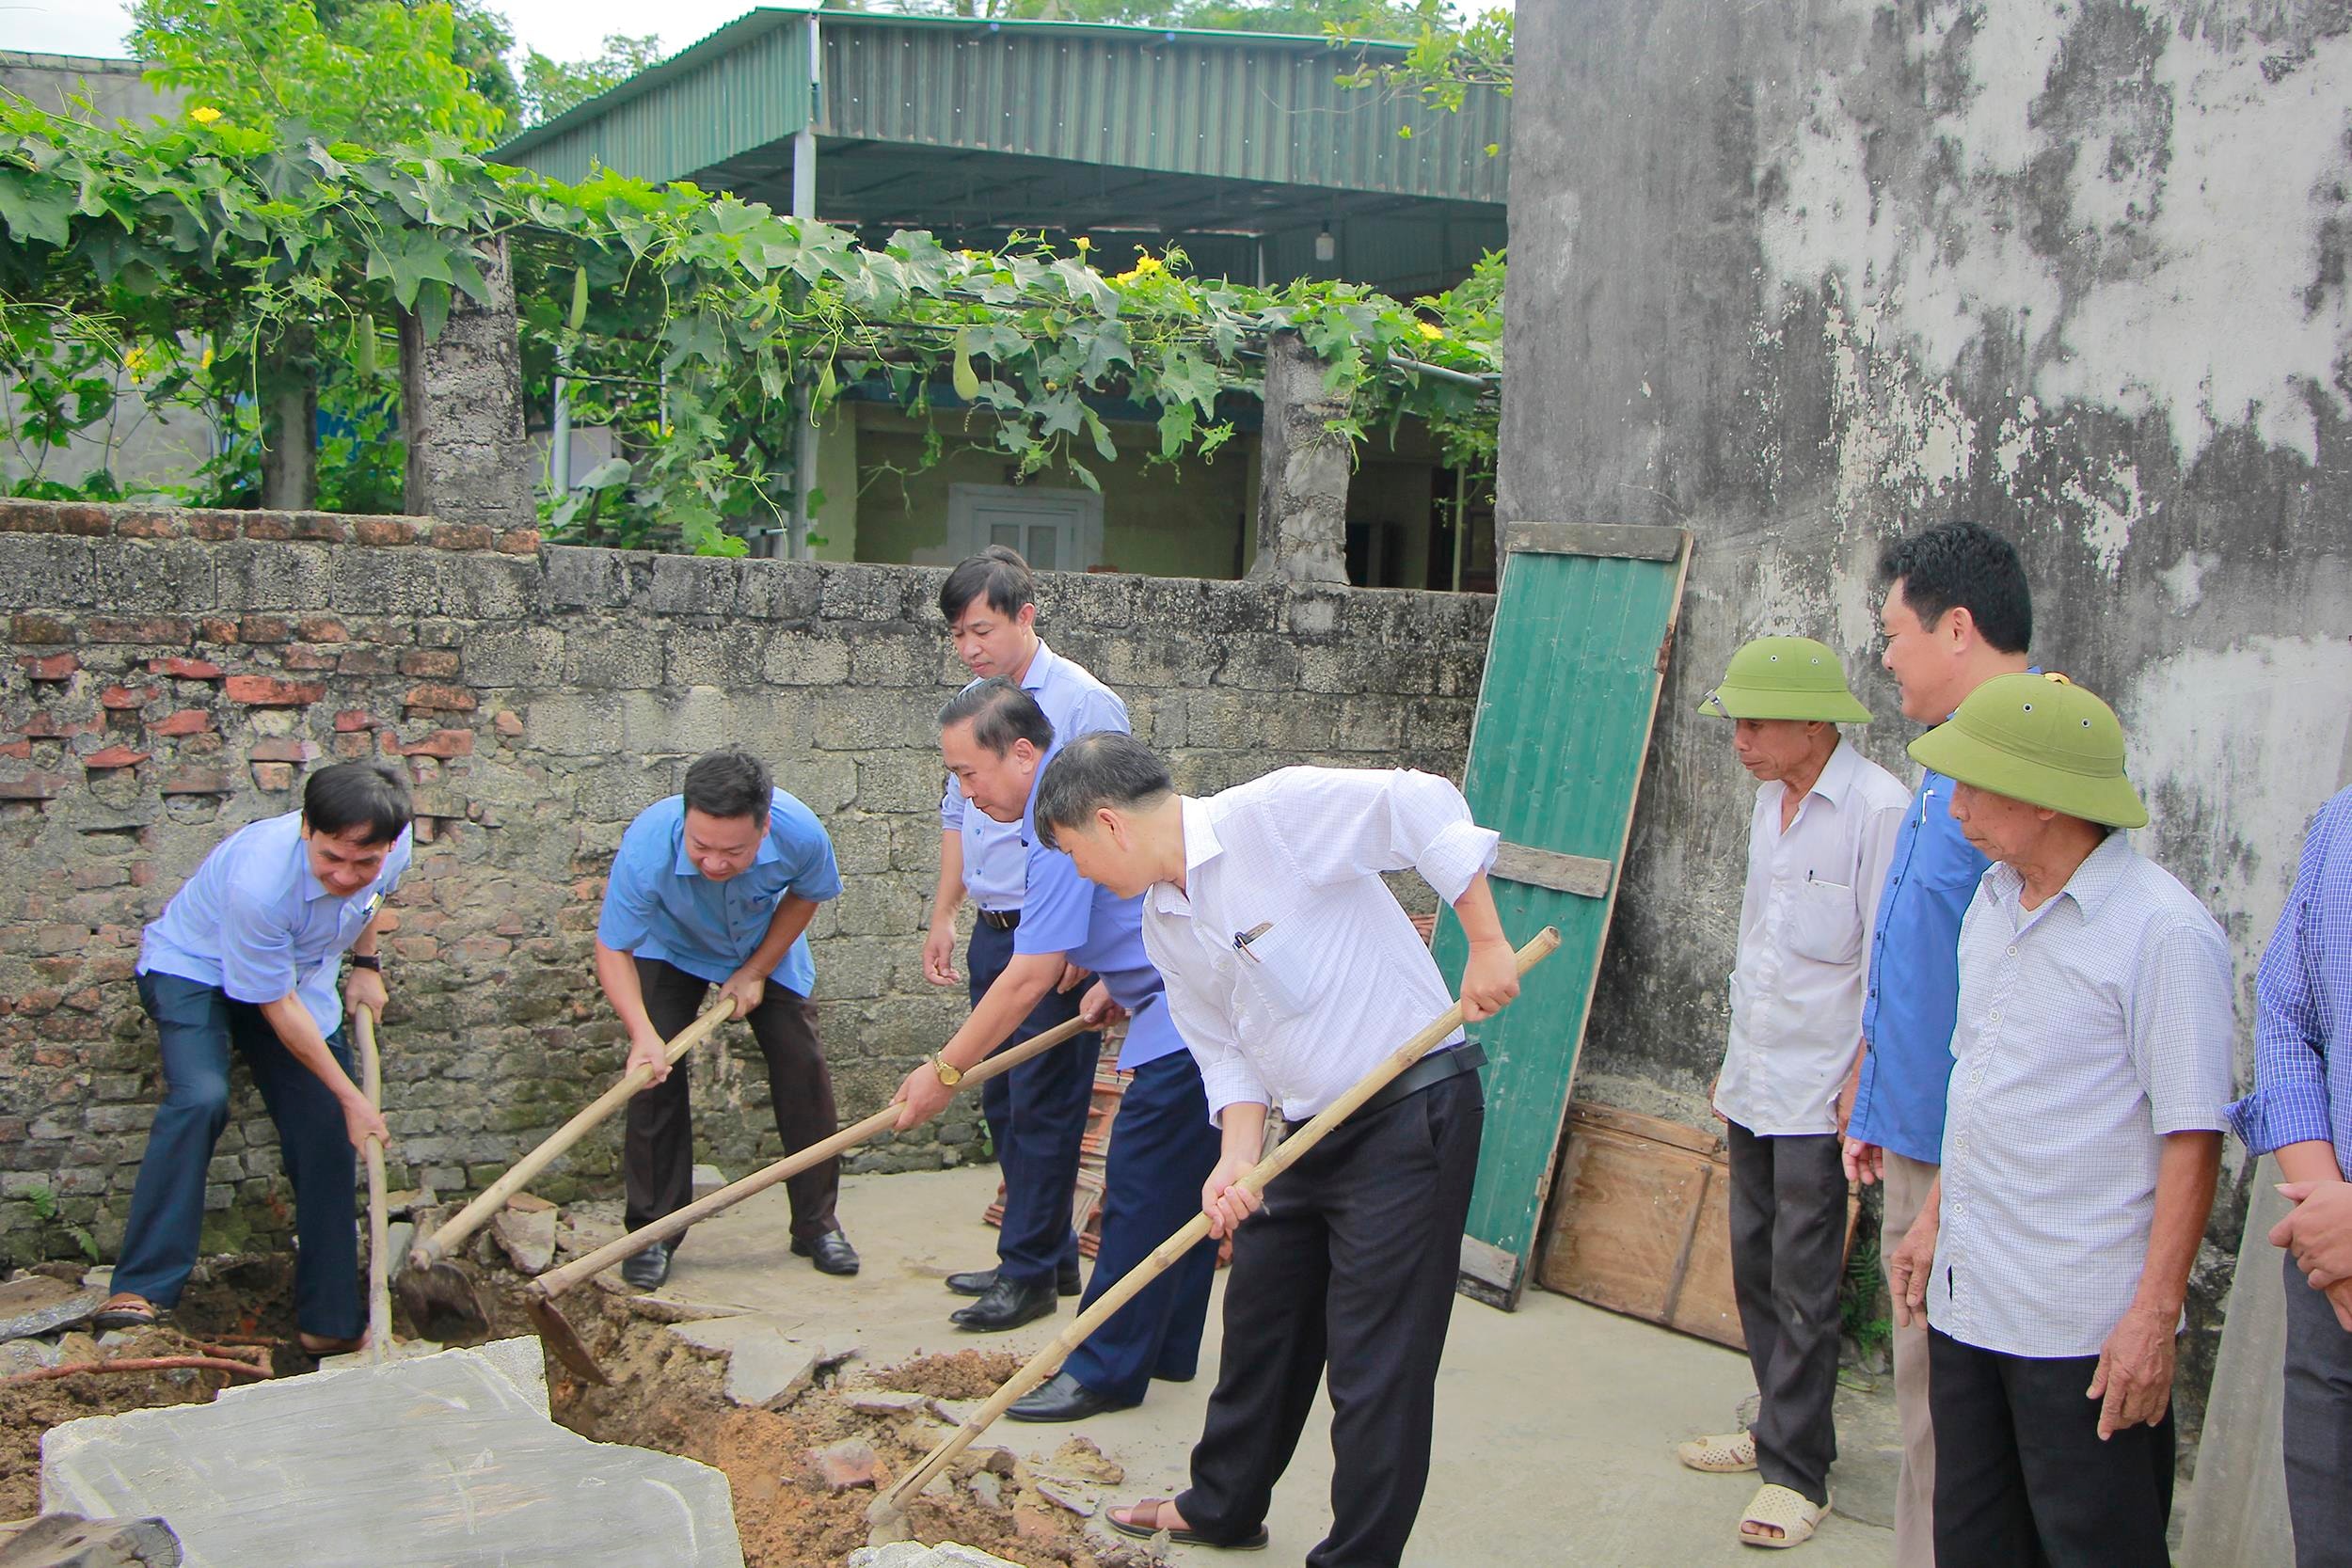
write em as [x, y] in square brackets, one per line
[765, 1362]
[1556, 1424]
[447, 1460]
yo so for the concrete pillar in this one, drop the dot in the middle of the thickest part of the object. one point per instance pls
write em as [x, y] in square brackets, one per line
[461, 410]
[2237, 1506]
[1302, 482]
[289, 459]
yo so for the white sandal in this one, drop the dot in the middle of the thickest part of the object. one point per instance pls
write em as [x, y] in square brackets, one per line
[1786, 1511]
[1731, 1452]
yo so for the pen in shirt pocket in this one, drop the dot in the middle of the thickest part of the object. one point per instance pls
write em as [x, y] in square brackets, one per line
[1243, 938]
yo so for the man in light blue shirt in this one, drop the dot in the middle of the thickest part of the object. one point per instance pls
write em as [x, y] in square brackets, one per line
[996, 741]
[1957, 613]
[989, 603]
[716, 886]
[246, 955]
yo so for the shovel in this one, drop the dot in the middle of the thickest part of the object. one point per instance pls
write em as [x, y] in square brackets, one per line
[379, 1266]
[887, 1513]
[556, 1330]
[440, 1298]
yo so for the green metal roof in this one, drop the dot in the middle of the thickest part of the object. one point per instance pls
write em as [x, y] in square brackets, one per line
[1259, 108]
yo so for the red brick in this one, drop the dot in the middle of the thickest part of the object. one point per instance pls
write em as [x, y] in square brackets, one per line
[508, 724]
[307, 656]
[49, 517]
[198, 781]
[419, 662]
[266, 628]
[382, 631]
[519, 541]
[32, 786]
[181, 667]
[322, 629]
[214, 628]
[461, 536]
[147, 525]
[21, 750]
[127, 697]
[188, 720]
[275, 776]
[442, 743]
[365, 662]
[353, 718]
[38, 630]
[138, 628]
[323, 527]
[46, 726]
[355, 748]
[269, 692]
[54, 667]
[384, 530]
[281, 751]
[115, 756]
[442, 699]
[270, 525]
[208, 525]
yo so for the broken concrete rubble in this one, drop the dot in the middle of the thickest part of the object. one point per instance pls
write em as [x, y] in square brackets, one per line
[70, 1541]
[766, 1364]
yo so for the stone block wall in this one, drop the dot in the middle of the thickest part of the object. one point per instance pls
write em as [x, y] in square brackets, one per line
[170, 675]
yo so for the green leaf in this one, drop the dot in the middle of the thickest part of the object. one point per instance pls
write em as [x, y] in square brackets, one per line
[36, 209]
[1102, 443]
[1086, 476]
[604, 475]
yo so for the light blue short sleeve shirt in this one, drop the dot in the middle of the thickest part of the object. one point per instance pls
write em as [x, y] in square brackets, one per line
[254, 921]
[659, 905]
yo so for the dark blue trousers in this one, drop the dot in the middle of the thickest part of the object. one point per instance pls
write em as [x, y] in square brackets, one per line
[196, 1025]
[1163, 1146]
[1037, 1116]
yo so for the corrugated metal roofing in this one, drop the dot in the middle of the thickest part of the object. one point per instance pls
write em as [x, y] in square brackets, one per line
[1242, 106]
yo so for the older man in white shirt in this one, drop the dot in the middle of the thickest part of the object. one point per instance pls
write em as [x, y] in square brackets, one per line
[2082, 1139]
[1291, 972]
[1819, 842]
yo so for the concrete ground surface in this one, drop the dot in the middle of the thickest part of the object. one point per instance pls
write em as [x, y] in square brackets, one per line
[1556, 1424]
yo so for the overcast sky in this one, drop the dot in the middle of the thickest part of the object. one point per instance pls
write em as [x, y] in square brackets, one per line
[563, 29]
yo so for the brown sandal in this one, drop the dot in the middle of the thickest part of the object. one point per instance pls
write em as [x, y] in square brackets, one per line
[124, 1309]
[1176, 1537]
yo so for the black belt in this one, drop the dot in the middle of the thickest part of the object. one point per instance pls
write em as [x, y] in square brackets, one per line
[1000, 920]
[1436, 1068]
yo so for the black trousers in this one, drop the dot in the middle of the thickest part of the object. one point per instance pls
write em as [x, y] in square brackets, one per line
[2022, 1479]
[1347, 1273]
[1788, 1252]
[658, 1154]
[2318, 1423]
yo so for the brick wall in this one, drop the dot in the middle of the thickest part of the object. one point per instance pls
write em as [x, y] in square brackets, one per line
[172, 674]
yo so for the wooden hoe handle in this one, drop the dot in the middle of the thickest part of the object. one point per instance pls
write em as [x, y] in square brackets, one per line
[556, 1282]
[467, 1220]
[1287, 1153]
[379, 1266]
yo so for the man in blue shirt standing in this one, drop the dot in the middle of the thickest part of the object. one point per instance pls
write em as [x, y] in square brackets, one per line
[245, 955]
[1957, 613]
[996, 741]
[716, 886]
[2301, 1110]
[1037, 1112]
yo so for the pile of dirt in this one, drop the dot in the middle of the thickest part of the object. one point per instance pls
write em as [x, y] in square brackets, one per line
[967, 1374]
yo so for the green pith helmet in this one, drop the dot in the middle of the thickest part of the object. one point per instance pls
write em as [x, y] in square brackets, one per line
[1785, 677]
[2041, 739]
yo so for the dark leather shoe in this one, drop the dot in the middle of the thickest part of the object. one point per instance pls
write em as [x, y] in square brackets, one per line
[976, 1282]
[1061, 1398]
[831, 1252]
[1007, 1304]
[646, 1270]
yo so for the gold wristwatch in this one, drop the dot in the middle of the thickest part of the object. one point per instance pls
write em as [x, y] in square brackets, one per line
[948, 1076]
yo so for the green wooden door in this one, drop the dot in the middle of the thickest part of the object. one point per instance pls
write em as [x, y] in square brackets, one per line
[1581, 631]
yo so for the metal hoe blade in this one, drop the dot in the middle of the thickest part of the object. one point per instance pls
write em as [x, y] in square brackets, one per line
[441, 1302]
[557, 1333]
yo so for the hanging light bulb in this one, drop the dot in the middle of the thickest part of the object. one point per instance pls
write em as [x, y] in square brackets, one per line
[1326, 248]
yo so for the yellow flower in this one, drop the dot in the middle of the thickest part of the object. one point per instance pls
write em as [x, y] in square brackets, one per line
[206, 363]
[1085, 244]
[134, 360]
[1430, 330]
[204, 116]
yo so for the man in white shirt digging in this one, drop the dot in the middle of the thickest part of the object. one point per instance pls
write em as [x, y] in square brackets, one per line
[1819, 842]
[1291, 972]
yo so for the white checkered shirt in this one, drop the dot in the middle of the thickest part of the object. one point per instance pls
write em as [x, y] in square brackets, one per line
[2088, 1029]
[1291, 968]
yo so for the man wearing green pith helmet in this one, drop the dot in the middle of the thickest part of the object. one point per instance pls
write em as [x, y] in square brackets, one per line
[1819, 841]
[2082, 1136]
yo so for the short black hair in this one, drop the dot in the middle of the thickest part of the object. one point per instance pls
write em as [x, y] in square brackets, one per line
[1001, 713]
[996, 575]
[728, 782]
[371, 798]
[1103, 768]
[1968, 566]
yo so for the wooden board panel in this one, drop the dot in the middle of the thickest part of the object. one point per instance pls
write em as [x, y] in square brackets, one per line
[1582, 875]
[1624, 1222]
[1703, 1302]
[1623, 540]
[1573, 668]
